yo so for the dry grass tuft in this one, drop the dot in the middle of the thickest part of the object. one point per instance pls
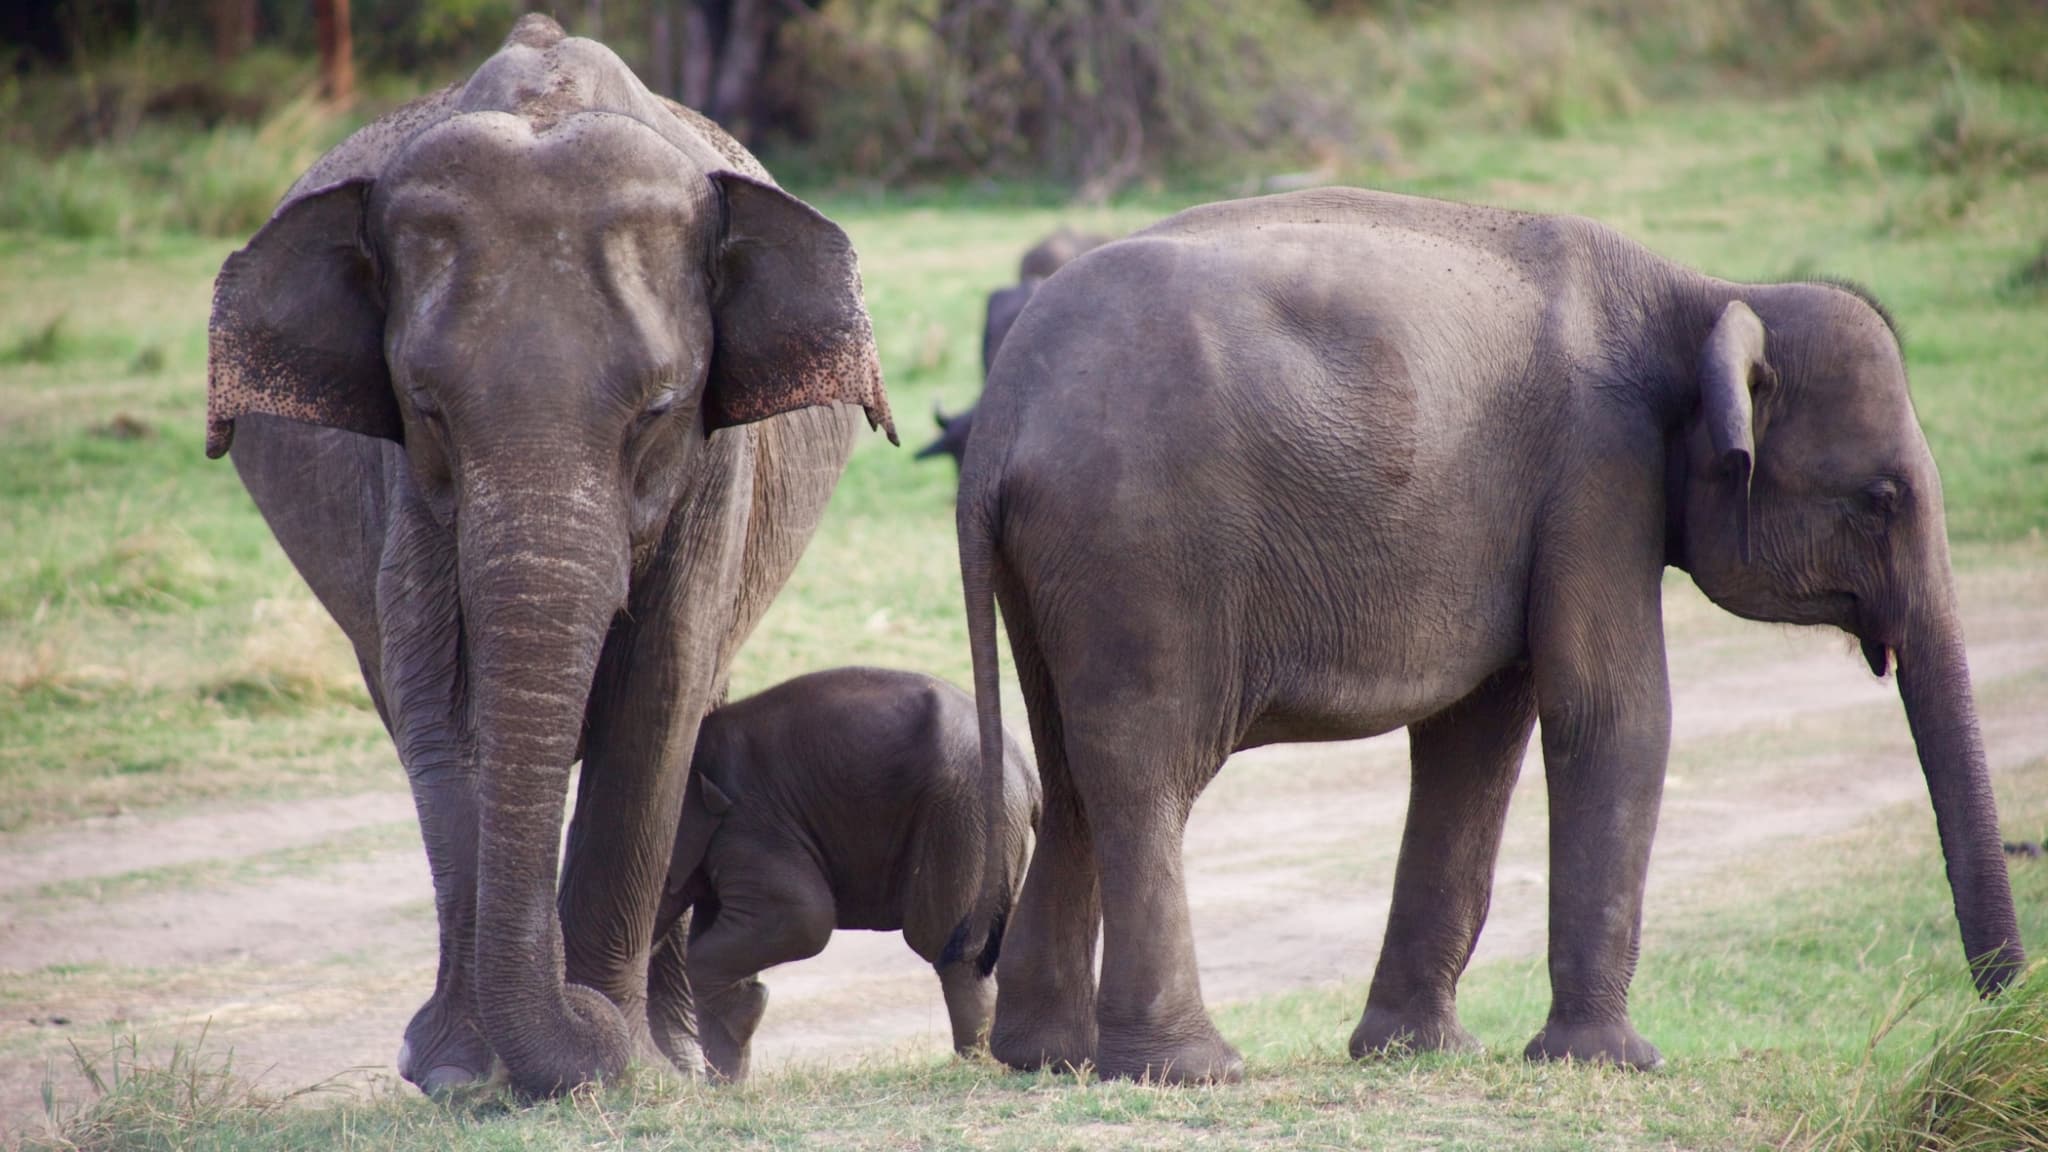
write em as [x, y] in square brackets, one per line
[139, 1101]
[293, 657]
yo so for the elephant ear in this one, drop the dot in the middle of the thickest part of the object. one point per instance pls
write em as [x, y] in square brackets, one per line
[790, 330]
[1734, 380]
[705, 807]
[298, 328]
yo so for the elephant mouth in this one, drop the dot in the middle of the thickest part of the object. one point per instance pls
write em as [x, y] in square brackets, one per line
[1873, 635]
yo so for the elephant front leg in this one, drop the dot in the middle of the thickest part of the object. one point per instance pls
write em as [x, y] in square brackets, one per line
[771, 916]
[653, 685]
[444, 1046]
[1465, 761]
[1605, 706]
[419, 668]
[731, 1016]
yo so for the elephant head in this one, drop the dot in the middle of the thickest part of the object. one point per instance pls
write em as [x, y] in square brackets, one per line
[1804, 493]
[552, 289]
[952, 438]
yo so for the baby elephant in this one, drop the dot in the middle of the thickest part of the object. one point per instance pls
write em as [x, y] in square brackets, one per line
[852, 798]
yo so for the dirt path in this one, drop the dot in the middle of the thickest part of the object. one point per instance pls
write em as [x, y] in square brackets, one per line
[302, 933]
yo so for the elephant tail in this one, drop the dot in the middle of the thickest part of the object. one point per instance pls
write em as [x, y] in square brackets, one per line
[979, 517]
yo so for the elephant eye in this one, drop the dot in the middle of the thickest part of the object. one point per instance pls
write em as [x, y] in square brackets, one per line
[660, 405]
[1883, 497]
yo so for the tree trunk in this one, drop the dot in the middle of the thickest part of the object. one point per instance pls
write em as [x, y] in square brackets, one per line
[700, 54]
[337, 57]
[661, 48]
[234, 29]
[747, 29]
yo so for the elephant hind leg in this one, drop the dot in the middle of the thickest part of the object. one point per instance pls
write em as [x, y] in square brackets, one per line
[1150, 1020]
[970, 1002]
[1139, 762]
[1045, 991]
[1464, 763]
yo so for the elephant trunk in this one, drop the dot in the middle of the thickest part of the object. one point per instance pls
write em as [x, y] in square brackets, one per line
[543, 574]
[1934, 683]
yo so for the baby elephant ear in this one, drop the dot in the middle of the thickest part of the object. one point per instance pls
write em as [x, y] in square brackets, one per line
[716, 802]
[297, 328]
[790, 329]
[1734, 377]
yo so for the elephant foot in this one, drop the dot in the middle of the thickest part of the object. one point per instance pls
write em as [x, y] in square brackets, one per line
[1389, 1032]
[445, 1052]
[1594, 1044]
[1029, 1043]
[728, 1022]
[1204, 1058]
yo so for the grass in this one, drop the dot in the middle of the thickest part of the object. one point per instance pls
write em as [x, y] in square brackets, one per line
[1831, 1015]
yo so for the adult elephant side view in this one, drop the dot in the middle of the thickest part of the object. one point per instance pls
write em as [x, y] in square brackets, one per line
[491, 373]
[1322, 465]
[1040, 261]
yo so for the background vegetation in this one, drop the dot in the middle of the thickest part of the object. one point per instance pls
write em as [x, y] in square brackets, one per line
[155, 648]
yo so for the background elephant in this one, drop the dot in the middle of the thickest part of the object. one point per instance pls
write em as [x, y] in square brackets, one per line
[852, 798]
[1379, 461]
[1004, 306]
[489, 372]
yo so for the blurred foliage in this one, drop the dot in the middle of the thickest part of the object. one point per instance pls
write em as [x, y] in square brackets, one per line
[876, 89]
[1092, 95]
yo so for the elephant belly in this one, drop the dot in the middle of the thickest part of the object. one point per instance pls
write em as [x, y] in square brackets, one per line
[1341, 699]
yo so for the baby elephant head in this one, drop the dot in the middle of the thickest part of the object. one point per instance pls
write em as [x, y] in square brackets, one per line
[1808, 496]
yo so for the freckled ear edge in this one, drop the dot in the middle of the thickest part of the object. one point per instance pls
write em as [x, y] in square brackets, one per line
[297, 328]
[716, 802]
[790, 328]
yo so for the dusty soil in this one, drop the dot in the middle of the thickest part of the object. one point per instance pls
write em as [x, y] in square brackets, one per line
[300, 934]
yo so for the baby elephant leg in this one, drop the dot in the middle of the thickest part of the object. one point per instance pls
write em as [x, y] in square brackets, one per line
[773, 920]
[970, 1002]
[671, 1014]
[730, 1019]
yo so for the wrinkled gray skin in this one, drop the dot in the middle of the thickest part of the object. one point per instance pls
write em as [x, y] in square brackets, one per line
[489, 373]
[1004, 306]
[852, 798]
[1318, 466]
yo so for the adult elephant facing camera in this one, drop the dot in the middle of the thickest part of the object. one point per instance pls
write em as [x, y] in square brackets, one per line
[491, 372]
[1318, 466]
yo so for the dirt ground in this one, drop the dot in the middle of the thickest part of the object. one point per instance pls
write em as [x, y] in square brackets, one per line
[301, 934]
